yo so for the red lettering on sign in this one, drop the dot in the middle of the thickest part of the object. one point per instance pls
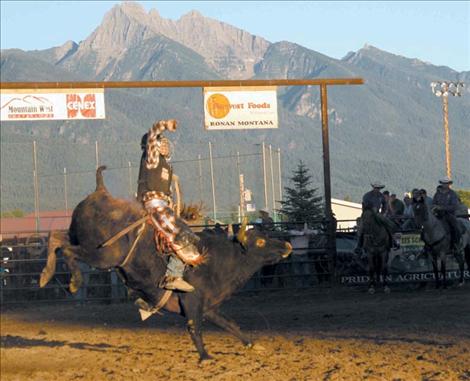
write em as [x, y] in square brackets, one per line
[86, 107]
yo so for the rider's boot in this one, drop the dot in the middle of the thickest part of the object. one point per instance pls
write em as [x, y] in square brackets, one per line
[176, 283]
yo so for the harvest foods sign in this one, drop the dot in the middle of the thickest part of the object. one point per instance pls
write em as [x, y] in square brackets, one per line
[226, 108]
[55, 104]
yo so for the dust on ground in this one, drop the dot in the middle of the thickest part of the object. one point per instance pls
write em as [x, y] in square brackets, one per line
[321, 334]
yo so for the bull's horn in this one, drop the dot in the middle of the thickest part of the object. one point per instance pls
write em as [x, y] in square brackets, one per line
[241, 236]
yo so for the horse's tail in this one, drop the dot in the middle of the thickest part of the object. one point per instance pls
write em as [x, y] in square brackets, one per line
[99, 179]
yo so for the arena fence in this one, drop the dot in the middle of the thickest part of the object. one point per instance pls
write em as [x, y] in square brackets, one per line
[23, 258]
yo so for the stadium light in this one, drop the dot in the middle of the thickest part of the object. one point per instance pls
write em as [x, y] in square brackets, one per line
[443, 90]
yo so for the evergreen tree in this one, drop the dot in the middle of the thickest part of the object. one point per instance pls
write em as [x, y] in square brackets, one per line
[464, 196]
[301, 203]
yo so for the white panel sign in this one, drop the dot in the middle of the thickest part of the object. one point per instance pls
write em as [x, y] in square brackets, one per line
[52, 104]
[229, 108]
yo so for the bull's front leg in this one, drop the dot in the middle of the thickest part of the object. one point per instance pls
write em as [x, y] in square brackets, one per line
[192, 307]
[229, 325]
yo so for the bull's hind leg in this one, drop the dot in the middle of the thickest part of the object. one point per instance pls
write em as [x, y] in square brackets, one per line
[59, 240]
[70, 255]
[229, 325]
[56, 240]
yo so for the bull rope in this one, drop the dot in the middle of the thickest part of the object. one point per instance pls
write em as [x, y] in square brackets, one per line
[124, 231]
[131, 250]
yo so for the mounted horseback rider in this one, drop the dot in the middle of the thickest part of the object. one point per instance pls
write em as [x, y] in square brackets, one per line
[155, 193]
[444, 206]
[375, 200]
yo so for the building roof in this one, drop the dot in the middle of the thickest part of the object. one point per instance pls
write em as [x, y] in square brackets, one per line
[25, 226]
[349, 204]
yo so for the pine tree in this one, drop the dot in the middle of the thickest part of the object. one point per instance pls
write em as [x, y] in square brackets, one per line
[302, 204]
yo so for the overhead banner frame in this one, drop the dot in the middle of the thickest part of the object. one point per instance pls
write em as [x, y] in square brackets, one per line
[322, 82]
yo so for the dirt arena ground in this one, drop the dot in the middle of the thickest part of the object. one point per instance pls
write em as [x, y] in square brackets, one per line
[324, 334]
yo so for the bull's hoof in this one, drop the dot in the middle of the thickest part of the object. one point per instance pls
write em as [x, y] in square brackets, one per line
[387, 290]
[371, 290]
[257, 347]
[205, 357]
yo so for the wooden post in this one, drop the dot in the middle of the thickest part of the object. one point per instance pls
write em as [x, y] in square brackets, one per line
[330, 222]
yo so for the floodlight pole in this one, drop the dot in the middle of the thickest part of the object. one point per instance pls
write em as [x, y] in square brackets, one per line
[444, 89]
[445, 110]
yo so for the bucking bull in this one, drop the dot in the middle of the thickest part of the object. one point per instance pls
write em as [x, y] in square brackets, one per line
[228, 265]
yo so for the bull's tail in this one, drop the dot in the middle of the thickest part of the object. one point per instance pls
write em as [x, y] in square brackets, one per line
[56, 240]
[99, 179]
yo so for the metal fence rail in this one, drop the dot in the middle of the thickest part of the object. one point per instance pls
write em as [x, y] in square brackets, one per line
[22, 263]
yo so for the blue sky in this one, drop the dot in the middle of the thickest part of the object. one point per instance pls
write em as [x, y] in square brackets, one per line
[432, 31]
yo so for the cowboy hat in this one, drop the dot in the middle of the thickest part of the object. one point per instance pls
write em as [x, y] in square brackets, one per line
[445, 180]
[377, 184]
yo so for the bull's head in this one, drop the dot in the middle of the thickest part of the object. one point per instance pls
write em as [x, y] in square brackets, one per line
[270, 250]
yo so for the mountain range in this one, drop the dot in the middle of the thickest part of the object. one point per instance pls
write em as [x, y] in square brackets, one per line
[389, 129]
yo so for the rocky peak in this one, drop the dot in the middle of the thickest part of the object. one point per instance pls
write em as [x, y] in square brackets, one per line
[229, 50]
[63, 51]
[290, 60]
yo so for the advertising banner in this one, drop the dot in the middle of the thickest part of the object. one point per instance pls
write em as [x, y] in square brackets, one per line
[228, 108]
[52, 104]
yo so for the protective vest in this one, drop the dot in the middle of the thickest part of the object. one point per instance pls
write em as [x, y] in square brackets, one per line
[157, 179]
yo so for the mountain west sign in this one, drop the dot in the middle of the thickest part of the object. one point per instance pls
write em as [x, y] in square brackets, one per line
[55, 104]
